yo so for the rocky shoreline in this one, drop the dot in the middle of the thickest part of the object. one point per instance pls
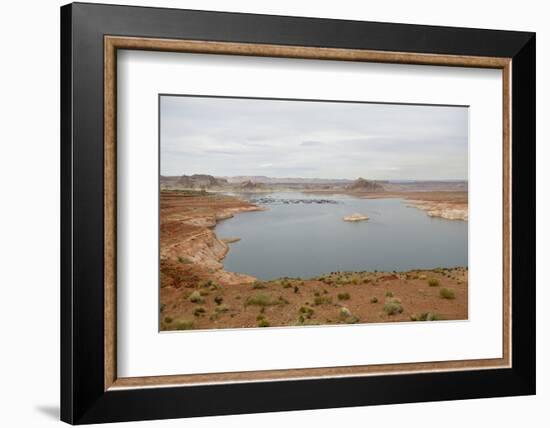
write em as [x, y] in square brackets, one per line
[442, 209]
[187, 233]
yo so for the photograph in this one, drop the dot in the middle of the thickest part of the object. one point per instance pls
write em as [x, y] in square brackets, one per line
[290, 213]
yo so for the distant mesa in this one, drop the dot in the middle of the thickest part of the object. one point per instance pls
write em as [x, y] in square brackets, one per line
[366, 185]
[356, 217]
[251, 185]
[200, 181]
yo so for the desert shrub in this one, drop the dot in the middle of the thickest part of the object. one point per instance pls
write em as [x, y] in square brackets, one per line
[316, 294]
[306, 312]
[393, 306]
[343, 296]
[296, 289]
[263, 323]
[182, 325]
[195, 297]
[184, 260]
[306, 321]
[374, 300]
[425, 316]
[221, 309]
[261, 299]
[199, 311]
[346, 316]
[432, 282]
[218, 300]
[389, 294]
[167, 320]
[282, 301]
[322, 300]
[162, 307]
[214, 286]
[258, 285]
[344, 313]
[447, 293]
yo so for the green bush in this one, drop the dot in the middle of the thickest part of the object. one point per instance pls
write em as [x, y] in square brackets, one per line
[167, 320]
[184, 260]
[218, 300]
[196, 297]
[199, 311]
[393, 306]
[343, 296]
[432, 282]
[425, 316]
[258, 285]
[447, 293]
[282, 301]
[261, 299]
[322, 300]
[306, 312]
[221, 309]
[182, 325]
[374, 300]
[346, 316]
[389, 294]
[263, 323]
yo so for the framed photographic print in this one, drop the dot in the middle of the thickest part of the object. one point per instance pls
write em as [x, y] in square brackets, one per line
[265, 213]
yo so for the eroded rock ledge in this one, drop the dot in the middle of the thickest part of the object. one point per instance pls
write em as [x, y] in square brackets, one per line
[449, 211]
[187, 234]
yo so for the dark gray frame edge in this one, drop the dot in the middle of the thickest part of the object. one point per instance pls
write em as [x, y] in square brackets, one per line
[83, 399]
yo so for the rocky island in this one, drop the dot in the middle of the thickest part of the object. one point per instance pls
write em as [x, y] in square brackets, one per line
[356, 217]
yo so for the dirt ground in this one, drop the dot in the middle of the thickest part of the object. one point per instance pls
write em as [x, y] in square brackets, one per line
[196, 292]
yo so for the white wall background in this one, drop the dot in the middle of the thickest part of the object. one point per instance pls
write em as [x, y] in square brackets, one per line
[29, 213]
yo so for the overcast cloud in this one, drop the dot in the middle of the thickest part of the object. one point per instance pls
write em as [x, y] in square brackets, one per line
[228, 137]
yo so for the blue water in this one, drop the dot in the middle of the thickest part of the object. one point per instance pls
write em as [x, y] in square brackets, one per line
[308, 239]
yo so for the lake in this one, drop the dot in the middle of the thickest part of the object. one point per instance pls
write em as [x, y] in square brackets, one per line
[299, 237]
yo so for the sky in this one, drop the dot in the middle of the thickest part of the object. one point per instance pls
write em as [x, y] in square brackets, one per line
[280, 138]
